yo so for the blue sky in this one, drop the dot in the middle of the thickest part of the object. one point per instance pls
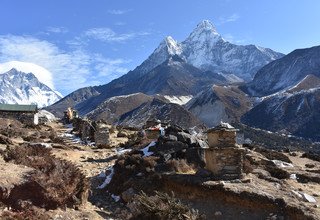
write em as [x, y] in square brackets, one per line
[84, 42]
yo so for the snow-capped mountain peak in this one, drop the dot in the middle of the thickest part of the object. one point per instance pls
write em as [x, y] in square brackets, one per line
[170, 46]
[24, 88]
[42, 74]
[206, 25]
[167, 48]
[205, 49]
[204, 32]
[174, 48]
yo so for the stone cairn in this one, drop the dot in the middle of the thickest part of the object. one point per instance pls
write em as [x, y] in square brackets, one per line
[101, 136]
[224, 158]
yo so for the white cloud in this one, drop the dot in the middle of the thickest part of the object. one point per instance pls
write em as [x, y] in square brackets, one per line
[232, 39]
[232, 18]
[70, 69]
[107, 67]
[119, 12]
[120, 23]
[77, 42]
[57, 30]
[108, 35]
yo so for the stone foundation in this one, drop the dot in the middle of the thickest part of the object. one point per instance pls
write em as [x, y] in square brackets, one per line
[225, 163]
[24, 118]
[90, 131]
[101, 136]
[222, 138]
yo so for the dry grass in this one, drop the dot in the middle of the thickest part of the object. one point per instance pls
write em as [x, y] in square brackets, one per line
[28, 214]
[181, 166]
[311, 156]
[161, 206]
[128, 170]
[59, 182]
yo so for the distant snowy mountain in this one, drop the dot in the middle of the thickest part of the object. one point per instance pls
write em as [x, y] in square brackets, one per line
[42, 74]
[206, 49]
[24, 88]
[181, 69]
[167, 48]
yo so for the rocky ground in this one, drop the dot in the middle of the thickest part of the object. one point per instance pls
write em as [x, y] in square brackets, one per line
[92, 162]
[275, 185]
[46, 172]
[62, 144]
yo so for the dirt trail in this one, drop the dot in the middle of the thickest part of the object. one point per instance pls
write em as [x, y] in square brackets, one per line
[93, 162]
[90, 160]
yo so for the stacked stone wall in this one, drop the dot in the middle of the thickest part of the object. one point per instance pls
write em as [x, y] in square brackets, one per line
[225, 163]
[23, 117]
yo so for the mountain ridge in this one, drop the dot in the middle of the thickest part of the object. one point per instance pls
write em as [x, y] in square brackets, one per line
[154, 69]
[285, 72]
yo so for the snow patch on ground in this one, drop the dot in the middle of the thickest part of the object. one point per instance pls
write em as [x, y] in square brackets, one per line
[308, 198]
[293, 176]
[115, 198]
[73, 138]
[116, 98]
[45, 114]
[226, 125]
[121, 151]
[107, 180]
[145, 150]
[45, 145]
[180, 100]
[102, 175]
[282, 164]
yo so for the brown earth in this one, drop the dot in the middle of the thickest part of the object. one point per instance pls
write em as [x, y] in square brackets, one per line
[265, 192]
[90, 161]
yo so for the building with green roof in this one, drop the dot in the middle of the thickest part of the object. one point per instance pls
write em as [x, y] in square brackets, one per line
[26, 114]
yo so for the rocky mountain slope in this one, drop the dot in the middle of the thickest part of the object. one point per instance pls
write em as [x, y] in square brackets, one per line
[290, 95]
[159, 109]
[286, 72]
[136, 109]
[112, 109]
[294, 111]
[219, 103]
[24, 88]
[174, 77]
[73, 99]
[185, 68]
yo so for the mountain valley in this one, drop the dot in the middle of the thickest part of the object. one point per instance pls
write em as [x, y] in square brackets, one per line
[203, 128]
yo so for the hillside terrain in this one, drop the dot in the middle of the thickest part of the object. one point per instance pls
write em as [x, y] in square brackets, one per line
[287, 92]
[37, 161]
